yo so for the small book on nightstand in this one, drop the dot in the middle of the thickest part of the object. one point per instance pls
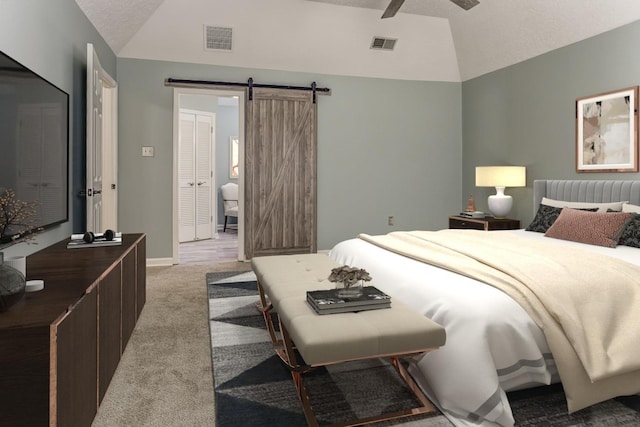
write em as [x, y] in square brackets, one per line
[328, 301]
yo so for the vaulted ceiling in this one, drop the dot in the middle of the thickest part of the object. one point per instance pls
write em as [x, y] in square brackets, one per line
[436, 40]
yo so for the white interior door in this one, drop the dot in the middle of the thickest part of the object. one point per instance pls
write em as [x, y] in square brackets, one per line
[101, 139]
[195, 175]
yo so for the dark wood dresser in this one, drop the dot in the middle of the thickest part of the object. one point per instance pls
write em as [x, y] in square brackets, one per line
[59, 347]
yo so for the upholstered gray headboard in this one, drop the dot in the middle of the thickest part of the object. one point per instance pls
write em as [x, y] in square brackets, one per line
[586, 191]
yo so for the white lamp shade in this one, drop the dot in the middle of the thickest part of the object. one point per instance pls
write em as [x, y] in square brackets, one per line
[500, 177]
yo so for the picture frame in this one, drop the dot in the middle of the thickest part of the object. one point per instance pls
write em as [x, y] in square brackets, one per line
[607, 132]
[234, 157]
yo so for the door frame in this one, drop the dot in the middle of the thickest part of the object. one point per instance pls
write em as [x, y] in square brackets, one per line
[241, 94]
[110, 161]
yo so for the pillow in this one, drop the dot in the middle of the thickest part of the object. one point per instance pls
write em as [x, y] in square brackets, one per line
[631, 234]
[628, 207]
[593, 228]
[546, 216]
[602, 207]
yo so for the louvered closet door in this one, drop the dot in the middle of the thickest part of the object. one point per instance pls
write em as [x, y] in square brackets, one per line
[195, 177]
[280, 173]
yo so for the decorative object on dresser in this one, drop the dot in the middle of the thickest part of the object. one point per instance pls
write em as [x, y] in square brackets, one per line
[12, 285]
[17, 219]
[94, 240]
[62, 345]
[488, 223]
[500, 177]
[607, 132]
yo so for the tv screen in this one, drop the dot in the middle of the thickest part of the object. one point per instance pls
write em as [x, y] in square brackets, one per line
[34, 144]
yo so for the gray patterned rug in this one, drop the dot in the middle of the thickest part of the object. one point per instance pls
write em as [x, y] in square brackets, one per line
[253, 387]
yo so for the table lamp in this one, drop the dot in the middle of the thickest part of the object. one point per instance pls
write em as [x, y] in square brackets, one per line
[500, 177]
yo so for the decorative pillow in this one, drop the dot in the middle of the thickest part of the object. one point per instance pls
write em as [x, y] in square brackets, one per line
[546, 216]
[631, 234]
[593, 228]
[602, 207]
[628, 207]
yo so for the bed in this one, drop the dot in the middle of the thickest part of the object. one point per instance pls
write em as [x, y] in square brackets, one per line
[495, 344]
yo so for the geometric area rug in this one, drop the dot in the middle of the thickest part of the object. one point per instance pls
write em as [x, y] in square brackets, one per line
[254, 388]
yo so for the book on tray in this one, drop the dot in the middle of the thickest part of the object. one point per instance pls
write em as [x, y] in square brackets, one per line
[327, 301]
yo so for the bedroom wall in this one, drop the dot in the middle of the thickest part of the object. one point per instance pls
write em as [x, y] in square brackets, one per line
[385, 147]
[55, 48]
[525, 114]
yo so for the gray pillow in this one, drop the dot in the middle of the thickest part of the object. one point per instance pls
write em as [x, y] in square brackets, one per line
[631, 235]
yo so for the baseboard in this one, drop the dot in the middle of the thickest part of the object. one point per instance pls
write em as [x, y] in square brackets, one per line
[220, 227]
[159, 262]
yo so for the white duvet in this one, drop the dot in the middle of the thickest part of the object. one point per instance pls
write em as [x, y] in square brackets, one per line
[493, 346]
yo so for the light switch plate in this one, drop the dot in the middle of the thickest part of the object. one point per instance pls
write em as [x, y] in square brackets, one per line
[147, 151]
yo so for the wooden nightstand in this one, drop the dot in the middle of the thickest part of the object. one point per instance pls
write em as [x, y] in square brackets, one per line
[487, 223]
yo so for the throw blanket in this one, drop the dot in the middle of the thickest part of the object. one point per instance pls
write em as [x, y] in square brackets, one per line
[588, 305]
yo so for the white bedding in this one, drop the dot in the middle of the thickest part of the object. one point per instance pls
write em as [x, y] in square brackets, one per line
[492, 345]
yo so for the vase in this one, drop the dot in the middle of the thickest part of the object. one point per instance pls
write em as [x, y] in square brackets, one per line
[349, 290]
[12, 285]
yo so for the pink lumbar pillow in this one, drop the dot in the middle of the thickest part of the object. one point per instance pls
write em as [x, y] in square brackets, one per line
[593, 228]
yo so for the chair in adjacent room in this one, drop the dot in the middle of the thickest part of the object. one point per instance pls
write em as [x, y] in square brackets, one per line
[230, 198]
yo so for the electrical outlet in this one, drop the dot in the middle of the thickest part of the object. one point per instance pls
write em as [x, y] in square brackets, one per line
[391, 221]
[147, 151]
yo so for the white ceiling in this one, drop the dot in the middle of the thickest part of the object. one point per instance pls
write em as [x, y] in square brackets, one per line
[437, 40]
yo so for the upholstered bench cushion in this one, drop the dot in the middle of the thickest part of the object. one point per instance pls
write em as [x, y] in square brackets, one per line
[326, 339]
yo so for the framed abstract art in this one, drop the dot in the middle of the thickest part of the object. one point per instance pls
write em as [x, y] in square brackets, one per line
[607, 132]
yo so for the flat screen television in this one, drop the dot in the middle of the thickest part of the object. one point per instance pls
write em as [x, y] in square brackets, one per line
[34, 144]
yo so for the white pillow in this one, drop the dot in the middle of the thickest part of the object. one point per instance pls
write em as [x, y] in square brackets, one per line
[628, 207]
[602, 207]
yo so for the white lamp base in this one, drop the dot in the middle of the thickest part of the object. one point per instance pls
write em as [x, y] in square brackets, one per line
[500, 203]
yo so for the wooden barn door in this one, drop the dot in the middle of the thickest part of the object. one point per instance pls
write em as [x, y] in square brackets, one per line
[280, 173]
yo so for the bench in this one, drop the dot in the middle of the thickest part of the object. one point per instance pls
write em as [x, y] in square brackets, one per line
[321, 340]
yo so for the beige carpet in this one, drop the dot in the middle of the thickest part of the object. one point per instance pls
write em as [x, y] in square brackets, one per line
[164, 377]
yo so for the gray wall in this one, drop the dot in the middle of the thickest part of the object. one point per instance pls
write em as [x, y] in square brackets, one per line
[525, 114]
[385, 148]
[55, 48]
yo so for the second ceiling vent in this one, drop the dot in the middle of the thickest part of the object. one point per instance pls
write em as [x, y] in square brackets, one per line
[383, 43]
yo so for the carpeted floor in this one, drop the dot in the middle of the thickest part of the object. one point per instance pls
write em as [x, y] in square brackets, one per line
[164, 375]
[252, 386]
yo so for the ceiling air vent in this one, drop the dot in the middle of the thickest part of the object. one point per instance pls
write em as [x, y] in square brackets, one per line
[217, 38]
[383, 43]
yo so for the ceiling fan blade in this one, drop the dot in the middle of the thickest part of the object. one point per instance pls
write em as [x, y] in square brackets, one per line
[392, 9]
[466, 4]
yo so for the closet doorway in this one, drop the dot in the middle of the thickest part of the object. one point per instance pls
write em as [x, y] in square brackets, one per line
[190, 195]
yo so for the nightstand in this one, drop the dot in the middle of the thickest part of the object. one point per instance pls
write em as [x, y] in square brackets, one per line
[487, 223]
